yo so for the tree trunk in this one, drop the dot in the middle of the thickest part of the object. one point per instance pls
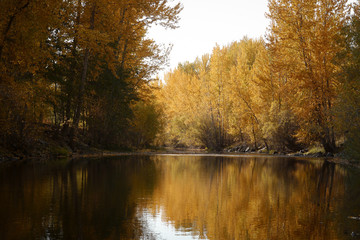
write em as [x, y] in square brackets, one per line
[80, 98]
[328, 144]
[254, 134]
[8, 26]
[70, 85]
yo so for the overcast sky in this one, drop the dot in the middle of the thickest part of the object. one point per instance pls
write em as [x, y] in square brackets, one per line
[207, 22]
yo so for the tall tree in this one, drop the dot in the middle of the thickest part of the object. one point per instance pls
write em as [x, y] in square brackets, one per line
[24, 53]
[53, 52]
[347, 107]
[309, 34]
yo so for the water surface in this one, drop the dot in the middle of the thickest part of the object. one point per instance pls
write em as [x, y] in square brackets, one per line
[179, 197]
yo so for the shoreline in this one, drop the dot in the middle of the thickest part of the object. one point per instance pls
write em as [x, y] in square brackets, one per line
[174, 152]
[196, 152]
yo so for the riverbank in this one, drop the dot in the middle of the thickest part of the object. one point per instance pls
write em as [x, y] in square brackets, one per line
[202, 152]
[59, 150]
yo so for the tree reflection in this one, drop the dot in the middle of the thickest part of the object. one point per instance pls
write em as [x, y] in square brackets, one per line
[206, 197]
[250, 198]
[88, 199]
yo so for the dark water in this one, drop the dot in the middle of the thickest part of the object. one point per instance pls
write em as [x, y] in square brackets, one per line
[179, 197]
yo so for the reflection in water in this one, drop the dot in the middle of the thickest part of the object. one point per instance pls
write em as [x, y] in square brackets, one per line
[80, 200]
[179, 197]
[156, 223]
[254, 199]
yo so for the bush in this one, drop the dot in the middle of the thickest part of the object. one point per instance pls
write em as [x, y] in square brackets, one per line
[146, 125]
[280, 129]
[352, 145]
[213, 136]
[58, 151]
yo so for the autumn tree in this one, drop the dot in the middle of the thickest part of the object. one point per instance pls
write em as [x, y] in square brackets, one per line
[68, 63]
[279, 93]
[147, 124]
[308, 34]
[114, 34]
[247, 107]
[211, 100]
[179, 97]
[272, 94]
[24, 54]
[347, 107]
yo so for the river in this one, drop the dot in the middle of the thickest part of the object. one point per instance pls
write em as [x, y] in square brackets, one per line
[179, 197]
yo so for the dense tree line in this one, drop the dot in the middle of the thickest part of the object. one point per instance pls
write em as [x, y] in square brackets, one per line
[83, 70]
[297, 87]
[77, 68]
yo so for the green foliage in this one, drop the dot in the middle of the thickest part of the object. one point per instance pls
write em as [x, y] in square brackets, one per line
[347, 109]
[347, 114]
[59, 151]
[352, 145]
[146, 124]
[109, 101]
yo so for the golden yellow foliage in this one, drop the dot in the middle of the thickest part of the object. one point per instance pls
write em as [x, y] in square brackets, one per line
[60, 51]
[305, 37]
[212, 101]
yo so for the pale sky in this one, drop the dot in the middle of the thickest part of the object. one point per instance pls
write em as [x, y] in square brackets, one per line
[207, 22]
